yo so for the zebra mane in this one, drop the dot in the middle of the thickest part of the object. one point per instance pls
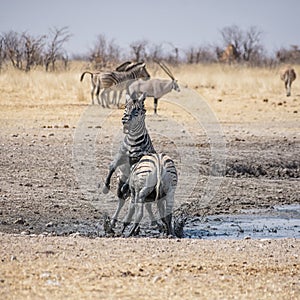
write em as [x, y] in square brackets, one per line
[133, 100]
[135, 66]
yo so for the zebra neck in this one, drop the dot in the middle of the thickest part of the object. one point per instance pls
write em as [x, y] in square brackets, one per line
[137, 143]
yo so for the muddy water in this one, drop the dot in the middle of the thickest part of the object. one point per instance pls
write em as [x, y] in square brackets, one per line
[279, 222]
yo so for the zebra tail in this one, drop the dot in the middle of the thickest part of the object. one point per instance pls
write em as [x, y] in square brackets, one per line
[82, 75]
[158, 174]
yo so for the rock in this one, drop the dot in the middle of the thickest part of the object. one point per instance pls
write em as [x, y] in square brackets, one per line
[25, 232]
[50, 224]
[20, 221]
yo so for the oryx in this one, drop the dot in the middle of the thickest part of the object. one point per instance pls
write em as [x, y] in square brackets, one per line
[155, 87]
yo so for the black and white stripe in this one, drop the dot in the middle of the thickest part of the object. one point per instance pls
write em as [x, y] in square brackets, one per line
[136, 143]
[152, 178]
[117, 80]
[121, 80]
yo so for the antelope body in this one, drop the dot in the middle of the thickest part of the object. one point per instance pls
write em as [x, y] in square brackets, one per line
[288, 75]
[155, 87]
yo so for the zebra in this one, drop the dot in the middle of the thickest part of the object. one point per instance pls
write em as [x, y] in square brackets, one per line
[136, 143]
[155, 88]
[95, 79]
[288, 75]
[113, 80]
[152, 178]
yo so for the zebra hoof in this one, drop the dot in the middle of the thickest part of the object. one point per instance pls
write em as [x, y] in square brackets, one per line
[105, 190]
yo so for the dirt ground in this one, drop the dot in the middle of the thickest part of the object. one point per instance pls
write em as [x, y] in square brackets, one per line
[47, 200]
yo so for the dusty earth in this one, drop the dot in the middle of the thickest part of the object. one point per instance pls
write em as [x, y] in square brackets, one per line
[236, 153]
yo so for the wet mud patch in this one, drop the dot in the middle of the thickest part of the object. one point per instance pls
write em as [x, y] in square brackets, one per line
[278, 222]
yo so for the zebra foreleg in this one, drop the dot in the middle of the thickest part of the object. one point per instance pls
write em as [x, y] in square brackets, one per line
[92, 94]
[119, 99]
[106, 187]
[97, 94]
[105, 98]
[121, 201]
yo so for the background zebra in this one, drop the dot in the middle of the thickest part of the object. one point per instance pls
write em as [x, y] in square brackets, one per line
[288, 75]
[117, 80]
[136, 143]
[153, 178]
[95, 79]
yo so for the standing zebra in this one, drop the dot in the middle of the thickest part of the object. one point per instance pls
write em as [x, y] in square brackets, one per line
[288, 75]
[95, 78]
[153, 178]
[136, 143]
[115, 80]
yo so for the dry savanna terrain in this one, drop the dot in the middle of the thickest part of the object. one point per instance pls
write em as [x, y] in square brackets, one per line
[235, 138]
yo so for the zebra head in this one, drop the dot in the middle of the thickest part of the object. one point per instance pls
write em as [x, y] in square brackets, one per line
[140, 70]
[134, 114]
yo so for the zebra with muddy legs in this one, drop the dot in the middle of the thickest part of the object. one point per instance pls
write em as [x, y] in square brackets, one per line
[136, 143]
[288, 75]
[155, 87]
[152, 178]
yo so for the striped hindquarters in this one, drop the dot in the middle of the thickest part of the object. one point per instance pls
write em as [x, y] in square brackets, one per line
[154, 172]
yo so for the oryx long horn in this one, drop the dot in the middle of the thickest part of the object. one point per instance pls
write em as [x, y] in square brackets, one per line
[166, 69]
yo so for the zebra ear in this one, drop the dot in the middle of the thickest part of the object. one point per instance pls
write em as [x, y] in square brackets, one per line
[134, 96]
[127, 98]
[143, 97]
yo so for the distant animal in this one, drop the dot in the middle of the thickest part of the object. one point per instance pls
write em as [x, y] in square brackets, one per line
[136, 143]
[152, 178]
[229, 55]
[105, 80]
[288, 75]
[95, 79]
[94, 82]
[155, 88]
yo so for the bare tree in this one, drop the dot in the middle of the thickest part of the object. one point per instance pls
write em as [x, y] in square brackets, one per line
[105, 53]
[13, 48]
[55, 50]
[2, 52]
[200, 54]
[252, 46]
[138, 49]
[155, 52]
[233, 35]
[33, 48]
[247, 44]
[291, 55]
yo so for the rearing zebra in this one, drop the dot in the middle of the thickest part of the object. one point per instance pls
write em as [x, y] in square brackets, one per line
[136, 143]
[153, 178]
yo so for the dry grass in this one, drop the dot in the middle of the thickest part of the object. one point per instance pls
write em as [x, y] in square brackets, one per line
[64, 87]
[249, 82]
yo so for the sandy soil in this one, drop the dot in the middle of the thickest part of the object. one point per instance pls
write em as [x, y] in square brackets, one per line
[75, 267]
[42, 195]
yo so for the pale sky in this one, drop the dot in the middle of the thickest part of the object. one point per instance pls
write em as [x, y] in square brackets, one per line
[184, 23]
